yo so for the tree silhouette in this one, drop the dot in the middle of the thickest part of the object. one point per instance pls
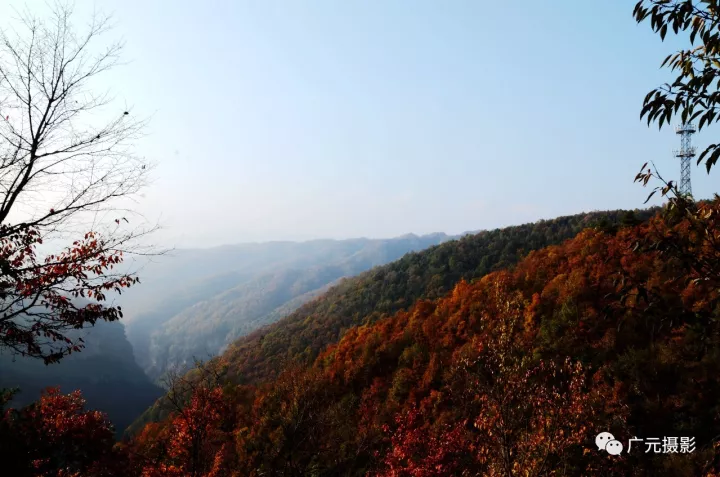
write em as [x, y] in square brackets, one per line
[67, 170]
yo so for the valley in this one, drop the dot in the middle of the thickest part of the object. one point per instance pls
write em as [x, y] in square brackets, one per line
[189, 311]
[359, 239]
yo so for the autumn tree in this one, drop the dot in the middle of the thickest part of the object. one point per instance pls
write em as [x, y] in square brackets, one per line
[67, 175]
[198, 442]
[417, 451]
[195, 440]
[291, 424]
[56, 436]
[510, 414]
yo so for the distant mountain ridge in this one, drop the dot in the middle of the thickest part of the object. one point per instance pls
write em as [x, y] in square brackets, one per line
[196, 303]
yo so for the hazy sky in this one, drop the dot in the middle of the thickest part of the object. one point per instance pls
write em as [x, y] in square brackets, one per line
[306, 119]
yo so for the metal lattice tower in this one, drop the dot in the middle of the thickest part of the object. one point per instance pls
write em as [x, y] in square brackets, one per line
[686, 152]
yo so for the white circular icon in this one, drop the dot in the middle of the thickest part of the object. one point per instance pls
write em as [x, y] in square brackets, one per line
[614, 447]
[602, 439]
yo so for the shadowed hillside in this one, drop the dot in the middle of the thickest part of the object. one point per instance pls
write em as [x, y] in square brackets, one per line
[105, 371]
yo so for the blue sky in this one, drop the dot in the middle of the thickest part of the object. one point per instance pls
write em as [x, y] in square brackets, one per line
[298, 119]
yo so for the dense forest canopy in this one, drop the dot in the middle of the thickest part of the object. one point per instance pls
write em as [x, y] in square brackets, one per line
[385, 290]
[512, 373]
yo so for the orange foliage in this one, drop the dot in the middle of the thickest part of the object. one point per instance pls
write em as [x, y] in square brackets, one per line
[513, 374]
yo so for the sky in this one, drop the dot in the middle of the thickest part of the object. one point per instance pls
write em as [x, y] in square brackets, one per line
[297, 120]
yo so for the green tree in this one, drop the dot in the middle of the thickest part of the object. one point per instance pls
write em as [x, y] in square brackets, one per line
[694, 94]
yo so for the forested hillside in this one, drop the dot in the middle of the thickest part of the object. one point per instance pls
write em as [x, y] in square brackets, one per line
[194, 303]
[105, 371]
[385, 290]
[513, 374]
[582, 345]
[516, 371]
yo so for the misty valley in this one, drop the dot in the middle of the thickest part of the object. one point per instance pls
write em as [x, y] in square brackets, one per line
[404, 239]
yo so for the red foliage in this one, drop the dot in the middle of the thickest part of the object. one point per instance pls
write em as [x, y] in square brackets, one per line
[57, 437]
[37, 308]
[513, 374]
[417, 451]
[193, 443]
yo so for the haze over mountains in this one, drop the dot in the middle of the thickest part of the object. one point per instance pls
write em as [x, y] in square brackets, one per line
[549, 342]
[367, 297]
[193, 303]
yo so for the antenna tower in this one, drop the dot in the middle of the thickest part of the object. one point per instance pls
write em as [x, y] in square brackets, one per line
[686, 152]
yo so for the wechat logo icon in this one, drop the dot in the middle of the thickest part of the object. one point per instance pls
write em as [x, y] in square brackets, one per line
[606, 441]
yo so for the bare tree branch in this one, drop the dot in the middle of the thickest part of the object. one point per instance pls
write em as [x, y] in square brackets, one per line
[65, 153]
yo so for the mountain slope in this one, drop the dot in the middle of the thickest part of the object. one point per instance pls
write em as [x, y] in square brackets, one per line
[105, 371]
[144, 323]
[514, 373]
[255, 285]
[385, 290]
